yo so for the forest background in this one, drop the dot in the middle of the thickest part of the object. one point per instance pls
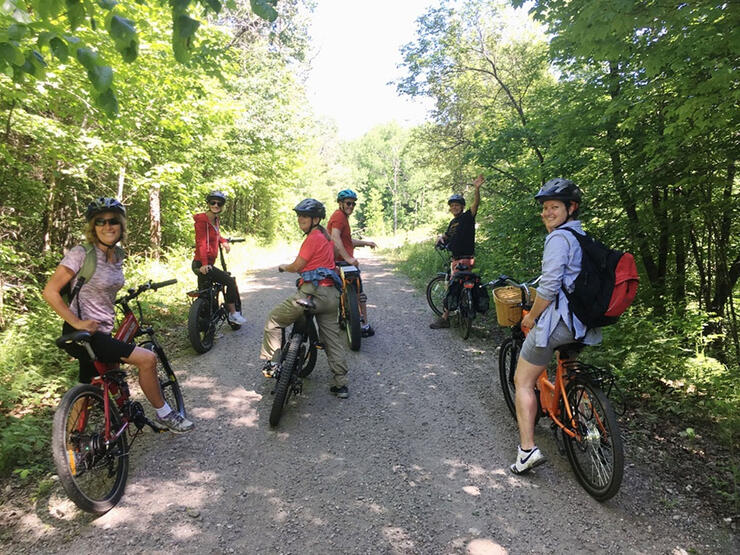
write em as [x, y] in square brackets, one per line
[158, 102]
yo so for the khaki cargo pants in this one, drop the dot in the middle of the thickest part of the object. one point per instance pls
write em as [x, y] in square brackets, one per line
[327, 309]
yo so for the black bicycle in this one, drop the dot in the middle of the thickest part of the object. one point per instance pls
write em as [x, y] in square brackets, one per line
[454, 292]
[209, 311]
[298, 353]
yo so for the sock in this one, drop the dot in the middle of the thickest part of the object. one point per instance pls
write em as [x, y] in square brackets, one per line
[164, 410]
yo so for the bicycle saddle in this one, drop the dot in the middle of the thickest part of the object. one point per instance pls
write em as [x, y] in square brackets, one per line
[570, 350]
[307, 303]
[74, 337]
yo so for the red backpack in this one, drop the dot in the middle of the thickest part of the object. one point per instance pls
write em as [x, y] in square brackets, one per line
[606, 284]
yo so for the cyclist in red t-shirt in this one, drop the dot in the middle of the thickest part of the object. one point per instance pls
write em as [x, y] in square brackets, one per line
[341, 233]
[315, 265]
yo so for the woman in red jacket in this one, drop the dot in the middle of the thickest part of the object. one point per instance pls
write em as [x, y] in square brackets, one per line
[207, 240]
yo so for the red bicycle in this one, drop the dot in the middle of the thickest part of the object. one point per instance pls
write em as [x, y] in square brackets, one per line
[93, 423]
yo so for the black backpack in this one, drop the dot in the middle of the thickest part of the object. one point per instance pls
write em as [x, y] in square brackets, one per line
[606, 284]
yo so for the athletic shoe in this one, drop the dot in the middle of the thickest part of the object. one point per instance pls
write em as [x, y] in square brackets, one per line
[341, 392]
[367, 331]
[270, 369]
[237, 318]
[176, 422]
[527, 460]
[440, 323]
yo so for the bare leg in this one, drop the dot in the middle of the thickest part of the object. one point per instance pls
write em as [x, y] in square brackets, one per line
[525, 379]
[146, 362]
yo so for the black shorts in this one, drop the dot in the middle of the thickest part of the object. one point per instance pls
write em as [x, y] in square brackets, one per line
[106, 349]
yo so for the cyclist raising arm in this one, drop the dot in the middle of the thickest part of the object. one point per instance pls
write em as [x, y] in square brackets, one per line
[550, 320]
[92, 308]
[460, 239]
[315, 264]
[207, 239]
[344, 244]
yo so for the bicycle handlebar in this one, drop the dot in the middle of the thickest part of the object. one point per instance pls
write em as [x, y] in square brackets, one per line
[235, 239]
[136, 291]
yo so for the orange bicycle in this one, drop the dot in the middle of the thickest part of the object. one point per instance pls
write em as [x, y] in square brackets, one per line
[582, 417]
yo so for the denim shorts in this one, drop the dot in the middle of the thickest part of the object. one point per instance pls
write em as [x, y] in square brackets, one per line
[541, 356]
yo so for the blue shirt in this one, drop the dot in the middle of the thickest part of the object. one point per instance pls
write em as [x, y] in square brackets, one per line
[561, 264]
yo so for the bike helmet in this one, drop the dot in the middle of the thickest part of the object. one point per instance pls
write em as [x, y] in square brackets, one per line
[310, 207]
[346, 194]
[217, 195]
[559, 189]
[104, 204]
[456, 198]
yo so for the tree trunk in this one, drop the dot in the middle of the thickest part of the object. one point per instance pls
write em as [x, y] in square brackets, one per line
[155, 221]
[48, 212]
[121, 179]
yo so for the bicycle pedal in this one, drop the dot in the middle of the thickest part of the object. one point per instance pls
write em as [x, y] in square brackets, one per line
[320, 346]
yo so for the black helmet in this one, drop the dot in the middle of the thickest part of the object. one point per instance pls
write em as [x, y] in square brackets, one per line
[456, 198]
[559, 189]
[217, 195]
[104, 204]
[310, 207]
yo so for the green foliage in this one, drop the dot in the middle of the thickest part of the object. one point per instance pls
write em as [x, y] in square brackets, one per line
[61, 26]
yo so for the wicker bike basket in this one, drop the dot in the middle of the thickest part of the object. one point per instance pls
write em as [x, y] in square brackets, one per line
[508, 301]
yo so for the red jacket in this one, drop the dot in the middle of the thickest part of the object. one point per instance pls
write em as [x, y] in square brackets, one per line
[207, 238]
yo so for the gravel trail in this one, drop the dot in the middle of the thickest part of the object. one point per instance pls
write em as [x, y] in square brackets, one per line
[415, 461]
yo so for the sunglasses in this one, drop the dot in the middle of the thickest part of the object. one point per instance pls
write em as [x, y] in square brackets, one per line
[100, 222]
[349, 203]
[216, 203]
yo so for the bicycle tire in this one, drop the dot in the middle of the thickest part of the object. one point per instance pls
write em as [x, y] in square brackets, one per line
[309, 360]
[508, 355]
[597, 458]
[465, 314]
[436, 293]
[168, 383]
[285, 381]
[101, 483]
[201, 328]
[354, 328]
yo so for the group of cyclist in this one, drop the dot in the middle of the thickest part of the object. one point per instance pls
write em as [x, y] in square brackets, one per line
[550, 320]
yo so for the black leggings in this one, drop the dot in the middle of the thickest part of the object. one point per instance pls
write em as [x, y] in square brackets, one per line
[219, 276]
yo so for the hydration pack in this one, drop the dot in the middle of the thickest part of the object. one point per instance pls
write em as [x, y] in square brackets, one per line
[606, 284]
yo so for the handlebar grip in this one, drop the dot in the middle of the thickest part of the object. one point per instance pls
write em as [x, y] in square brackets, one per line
[163, 283]
[236, 240]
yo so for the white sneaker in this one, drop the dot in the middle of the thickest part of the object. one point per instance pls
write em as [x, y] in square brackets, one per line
[237, 318]
[527, 460]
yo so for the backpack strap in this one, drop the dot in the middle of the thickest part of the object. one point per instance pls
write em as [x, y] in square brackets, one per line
[89, 265]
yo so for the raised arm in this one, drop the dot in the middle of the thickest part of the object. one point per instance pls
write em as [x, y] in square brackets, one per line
[476, 199]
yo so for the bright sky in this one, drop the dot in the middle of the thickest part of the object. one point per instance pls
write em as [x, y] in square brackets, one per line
[356, 45]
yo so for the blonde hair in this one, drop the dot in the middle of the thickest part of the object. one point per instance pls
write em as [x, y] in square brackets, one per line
[92, 237]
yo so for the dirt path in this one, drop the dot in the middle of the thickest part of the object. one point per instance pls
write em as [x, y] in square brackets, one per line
[415, 461]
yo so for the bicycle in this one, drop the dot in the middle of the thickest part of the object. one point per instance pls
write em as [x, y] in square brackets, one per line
[208, 311]
[582, 417]
[298, 352]
[453, 291]
[350, 319]
[93, 422]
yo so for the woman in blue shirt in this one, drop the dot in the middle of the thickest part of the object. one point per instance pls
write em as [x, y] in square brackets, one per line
[550, 320]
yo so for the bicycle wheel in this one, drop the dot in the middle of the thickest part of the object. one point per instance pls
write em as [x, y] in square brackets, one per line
[436, 293]
[93, 474]
[201, 328]
[508, 355]
[285, 380]
[597, 457]
[309, 358]
[167, 380]
[352, 308]
[465, 313]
